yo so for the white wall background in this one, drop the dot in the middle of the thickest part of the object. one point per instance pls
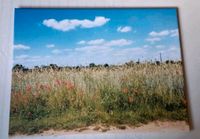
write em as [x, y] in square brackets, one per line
[190, 29]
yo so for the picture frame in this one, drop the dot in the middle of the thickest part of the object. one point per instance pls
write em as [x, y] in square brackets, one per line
[8, 53]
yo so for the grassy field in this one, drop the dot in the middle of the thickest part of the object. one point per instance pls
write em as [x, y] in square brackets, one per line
[72, 98]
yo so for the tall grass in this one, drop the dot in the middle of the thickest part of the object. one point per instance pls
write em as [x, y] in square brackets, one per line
[72, 98]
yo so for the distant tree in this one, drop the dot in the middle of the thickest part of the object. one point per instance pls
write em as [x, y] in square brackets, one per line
[172, 61]
[106, 65]
[91, 65]
[157, 62]
[36, 67]
[18, 67]
[167, 61]
[179, 62]
[53, 66]
[44, 67]
[138, 62]
[130, 63]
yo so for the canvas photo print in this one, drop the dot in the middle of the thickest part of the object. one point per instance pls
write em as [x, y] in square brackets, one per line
[97, 70]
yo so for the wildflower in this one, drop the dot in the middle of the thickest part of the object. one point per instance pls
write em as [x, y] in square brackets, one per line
[125, 90]
[58, 82]
[130, 99]
[28, 88]
[63, 82]
[41, 86]
[47, 87]
[69, 85]
[36, 94]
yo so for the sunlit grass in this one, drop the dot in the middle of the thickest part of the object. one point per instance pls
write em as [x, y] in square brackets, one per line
[72, 98]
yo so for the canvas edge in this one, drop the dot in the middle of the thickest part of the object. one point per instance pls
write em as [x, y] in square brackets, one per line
[7, 70]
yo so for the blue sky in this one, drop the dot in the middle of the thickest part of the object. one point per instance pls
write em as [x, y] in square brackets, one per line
[81, 36]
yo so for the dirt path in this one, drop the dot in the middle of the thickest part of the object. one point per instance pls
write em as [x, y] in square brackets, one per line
[156, 126]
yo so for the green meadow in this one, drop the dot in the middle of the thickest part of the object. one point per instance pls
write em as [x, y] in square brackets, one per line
[71, 98]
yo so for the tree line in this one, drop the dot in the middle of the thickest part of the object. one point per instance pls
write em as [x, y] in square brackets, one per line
[20, 67]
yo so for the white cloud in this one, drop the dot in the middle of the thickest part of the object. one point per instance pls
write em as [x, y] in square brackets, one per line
[146, 46]
[101, 45]
[101, 54]
[119, 42]
[93, 49]
[36, 57]
[161, 33]
[47, 56]
[173, 49]
[104, 43]
[92, 42]
[61, 51]
[81, 42]
[56, 51]
[152, 47]
[173, 52]
[159, 46]
[22, 57]
[157, 36]
[21, 47]
[96, 42]
[172, 33]
[98, 21]
[27, 57]
[124, 29]
[70, 24]
[67, 50]
[30, 61]
[152, 40]
[127, 52]
[50, 45]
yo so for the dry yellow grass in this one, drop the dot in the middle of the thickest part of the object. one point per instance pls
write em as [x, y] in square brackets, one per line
[81, 97]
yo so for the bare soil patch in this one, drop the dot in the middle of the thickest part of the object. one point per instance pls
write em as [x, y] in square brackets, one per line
[155, 126]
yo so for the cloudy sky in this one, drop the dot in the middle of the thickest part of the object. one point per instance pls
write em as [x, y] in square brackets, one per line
[81, 36]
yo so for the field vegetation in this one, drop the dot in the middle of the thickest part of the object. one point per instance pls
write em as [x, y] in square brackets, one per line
[70, 98]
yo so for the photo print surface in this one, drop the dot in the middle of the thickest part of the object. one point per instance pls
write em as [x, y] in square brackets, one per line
[94, 70]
